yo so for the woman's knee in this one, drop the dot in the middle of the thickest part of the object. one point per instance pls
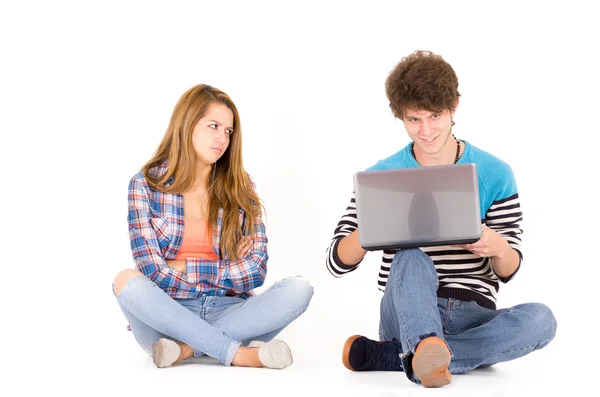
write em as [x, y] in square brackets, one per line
[303, 287]
[300, 289]
[123, 278]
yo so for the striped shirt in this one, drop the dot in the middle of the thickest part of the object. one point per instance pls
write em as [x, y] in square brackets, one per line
[461, 274]
[156, 225]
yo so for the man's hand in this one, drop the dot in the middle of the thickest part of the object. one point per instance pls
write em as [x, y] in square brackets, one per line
[505, 260]
[178, 265]
[490, 244]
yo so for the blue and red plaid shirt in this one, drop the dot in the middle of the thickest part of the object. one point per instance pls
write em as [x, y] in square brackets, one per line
[156, 222]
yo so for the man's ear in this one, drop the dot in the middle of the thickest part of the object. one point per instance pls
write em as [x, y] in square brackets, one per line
[455, 106]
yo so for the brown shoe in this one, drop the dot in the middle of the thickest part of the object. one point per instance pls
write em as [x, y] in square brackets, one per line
[363, 354]
[430, 362]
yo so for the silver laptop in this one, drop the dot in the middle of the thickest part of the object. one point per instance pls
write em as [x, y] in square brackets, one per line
[418, 207]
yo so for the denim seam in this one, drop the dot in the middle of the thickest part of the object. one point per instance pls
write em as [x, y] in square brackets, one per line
[399, 314]
[527, 347]
[504, 352]
[447, 314]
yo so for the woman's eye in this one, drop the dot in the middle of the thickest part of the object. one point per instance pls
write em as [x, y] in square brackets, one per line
[229, 132]
[213, 126]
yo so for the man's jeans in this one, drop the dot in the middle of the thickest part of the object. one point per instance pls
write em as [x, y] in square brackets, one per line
[476, 336]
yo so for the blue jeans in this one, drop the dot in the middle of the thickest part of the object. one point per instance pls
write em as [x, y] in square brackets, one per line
[213, 325]
[476, 336]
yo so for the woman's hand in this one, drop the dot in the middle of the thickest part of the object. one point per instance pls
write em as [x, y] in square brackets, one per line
[244, 246]
[178, 265]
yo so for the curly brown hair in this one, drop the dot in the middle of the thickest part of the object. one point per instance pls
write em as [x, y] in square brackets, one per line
[421, 81]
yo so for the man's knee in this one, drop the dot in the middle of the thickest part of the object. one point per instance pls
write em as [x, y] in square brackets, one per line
[539, 319]
[412, 260]
[546, 321]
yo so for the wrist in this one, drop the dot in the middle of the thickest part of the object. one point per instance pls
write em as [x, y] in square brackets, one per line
[504, 252]
[349, 250]
[183, 266]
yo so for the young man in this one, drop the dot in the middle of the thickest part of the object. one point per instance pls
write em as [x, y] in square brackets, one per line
[438, 313]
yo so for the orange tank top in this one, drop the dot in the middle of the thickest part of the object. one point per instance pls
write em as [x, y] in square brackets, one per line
[196, 241]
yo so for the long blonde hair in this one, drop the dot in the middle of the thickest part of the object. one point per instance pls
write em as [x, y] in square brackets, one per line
[229, 186]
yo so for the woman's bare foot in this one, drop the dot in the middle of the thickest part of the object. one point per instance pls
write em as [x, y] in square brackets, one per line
[247, 357]
[186, 352]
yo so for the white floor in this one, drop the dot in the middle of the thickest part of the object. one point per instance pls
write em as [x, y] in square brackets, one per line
[97, 356]
[78, 350]
[317, 369]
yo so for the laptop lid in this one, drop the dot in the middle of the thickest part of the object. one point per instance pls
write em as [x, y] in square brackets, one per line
[418, 207]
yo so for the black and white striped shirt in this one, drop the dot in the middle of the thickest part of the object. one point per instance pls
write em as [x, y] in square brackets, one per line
[461, 274]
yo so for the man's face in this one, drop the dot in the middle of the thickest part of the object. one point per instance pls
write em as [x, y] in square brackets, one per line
[429, 130]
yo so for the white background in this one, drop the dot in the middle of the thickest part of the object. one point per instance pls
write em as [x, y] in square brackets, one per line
[86, 92]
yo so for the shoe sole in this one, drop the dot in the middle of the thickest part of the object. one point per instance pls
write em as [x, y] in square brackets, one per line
[430, 363]
[346, 351]
[165, 352]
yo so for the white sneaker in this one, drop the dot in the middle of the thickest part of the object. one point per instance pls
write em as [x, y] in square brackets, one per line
[274, 354]
[165, 352]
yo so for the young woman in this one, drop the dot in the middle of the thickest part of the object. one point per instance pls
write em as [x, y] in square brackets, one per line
[200, 248]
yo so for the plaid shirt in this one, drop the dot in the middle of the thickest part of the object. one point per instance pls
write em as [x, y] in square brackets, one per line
[156, 224]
